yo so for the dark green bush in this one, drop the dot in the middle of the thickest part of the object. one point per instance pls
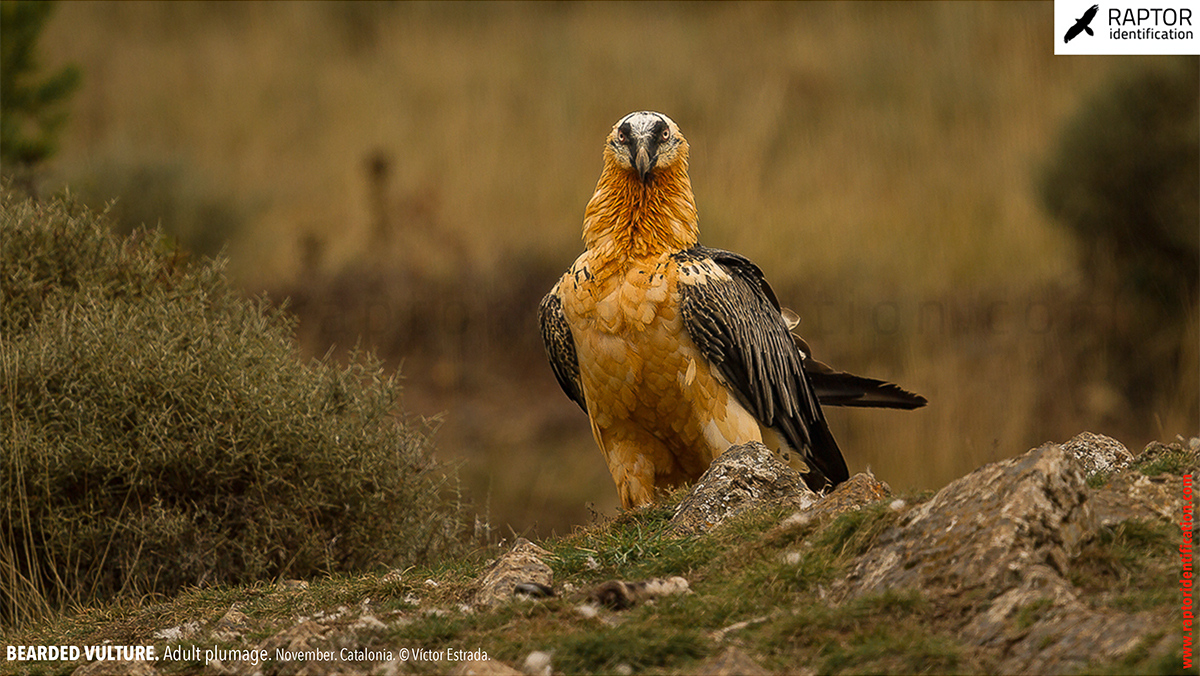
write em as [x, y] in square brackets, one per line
[1123, 180]
[160, 431]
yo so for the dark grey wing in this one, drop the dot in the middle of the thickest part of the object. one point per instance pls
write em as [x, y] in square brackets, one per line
[732, 315]
[560, 346]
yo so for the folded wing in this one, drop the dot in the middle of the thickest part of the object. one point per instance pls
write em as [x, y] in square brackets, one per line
[732, 315]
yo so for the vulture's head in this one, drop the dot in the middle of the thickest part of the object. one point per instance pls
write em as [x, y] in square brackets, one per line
[646, 142]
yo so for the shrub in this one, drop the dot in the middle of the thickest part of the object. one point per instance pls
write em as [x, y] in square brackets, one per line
[160, 431]
[1123, 180]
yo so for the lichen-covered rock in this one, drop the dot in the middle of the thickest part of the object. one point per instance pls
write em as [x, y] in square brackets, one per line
[1133, 495]
[981, 530]
[1098, 453]
[523, 564]
[857, 492]
[1041, 626]
[740, 478]
[997, 543]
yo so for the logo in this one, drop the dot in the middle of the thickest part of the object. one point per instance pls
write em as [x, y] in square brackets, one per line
[1082, 24]
[1126, 27]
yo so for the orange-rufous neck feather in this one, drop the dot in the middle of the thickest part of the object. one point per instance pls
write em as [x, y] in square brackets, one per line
[627, 218]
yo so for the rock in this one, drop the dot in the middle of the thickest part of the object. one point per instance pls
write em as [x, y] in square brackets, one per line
[1098, 453]
[231, 625]
[1040, 590]
[537, 663]
[620, 595]
[179, 632]
[1133, 495]
[523, 564]
[368, 623]
[857, 492]
[299, 638]
[740, 478]
[983, 529]
[1041, 627]
[997, 543]
[731, 662]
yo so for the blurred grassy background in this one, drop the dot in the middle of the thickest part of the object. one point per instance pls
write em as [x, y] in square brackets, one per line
[414, 176]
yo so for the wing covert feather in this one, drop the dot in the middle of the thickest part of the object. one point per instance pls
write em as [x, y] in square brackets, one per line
[560, 347]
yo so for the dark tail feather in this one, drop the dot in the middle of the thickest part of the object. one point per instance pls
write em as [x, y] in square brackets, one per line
[827, 457]
[838, 388]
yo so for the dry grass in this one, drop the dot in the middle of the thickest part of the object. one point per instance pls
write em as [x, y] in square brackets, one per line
[878, 161]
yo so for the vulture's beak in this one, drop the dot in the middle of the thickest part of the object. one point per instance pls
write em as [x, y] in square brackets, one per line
[644, 162]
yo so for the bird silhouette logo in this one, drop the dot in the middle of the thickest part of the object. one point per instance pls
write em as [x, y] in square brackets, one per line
[1081, 24]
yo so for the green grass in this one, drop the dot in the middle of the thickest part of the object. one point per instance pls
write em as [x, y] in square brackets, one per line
[634, 645]
[1135, 563]
[638, 543]
[1033, 613]
[1158, 459]
[739, 575]
[896, 632]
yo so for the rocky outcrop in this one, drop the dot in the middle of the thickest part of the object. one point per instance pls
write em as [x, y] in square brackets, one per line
[742, 477]
[983, 529]
[996, 555]
[1132, 495]
[999, 542]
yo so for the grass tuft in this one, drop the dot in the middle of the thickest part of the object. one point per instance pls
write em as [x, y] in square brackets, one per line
[1133, 562]
[603, 651]
[1160, 458]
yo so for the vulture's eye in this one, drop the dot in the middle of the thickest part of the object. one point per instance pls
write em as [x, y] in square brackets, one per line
[666, 134]
[621, 137]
